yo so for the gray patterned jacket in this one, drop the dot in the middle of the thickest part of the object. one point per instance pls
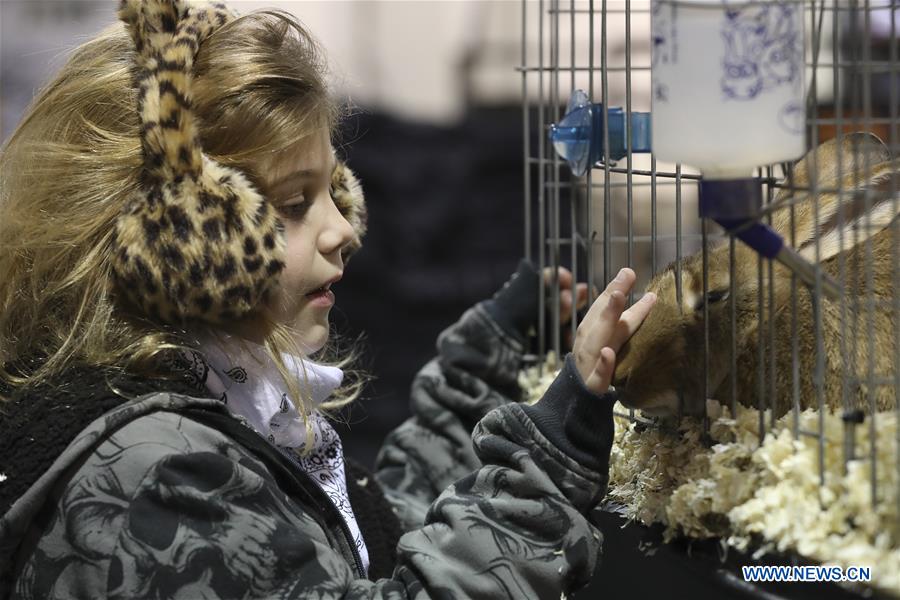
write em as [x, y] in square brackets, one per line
[170, 496]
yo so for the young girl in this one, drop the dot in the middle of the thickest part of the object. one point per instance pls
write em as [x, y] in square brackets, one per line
[171, 220]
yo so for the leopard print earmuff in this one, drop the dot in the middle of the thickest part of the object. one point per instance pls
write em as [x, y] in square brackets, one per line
[197, 241]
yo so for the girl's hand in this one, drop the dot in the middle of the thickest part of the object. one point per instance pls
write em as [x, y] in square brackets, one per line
[565, 293]
[569, 301]
[605, 328]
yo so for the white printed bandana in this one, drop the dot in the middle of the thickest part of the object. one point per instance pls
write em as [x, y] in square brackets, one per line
[245, 378]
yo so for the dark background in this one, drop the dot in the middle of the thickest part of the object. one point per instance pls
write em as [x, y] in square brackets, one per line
[445, 231]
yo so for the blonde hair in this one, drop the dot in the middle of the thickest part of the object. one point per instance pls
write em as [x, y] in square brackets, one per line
[259, 89]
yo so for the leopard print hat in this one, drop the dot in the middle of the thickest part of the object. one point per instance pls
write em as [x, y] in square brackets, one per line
[197, 241]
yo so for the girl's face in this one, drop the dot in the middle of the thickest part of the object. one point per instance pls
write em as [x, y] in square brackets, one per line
[298, 186]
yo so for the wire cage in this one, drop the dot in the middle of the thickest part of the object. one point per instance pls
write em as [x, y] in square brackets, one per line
[799, 359]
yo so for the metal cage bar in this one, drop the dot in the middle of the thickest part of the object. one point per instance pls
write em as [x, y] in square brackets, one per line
[637, 212]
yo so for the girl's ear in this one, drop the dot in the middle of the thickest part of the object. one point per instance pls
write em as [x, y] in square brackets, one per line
[851, 208]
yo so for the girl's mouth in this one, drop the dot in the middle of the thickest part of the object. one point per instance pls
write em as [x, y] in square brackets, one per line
[321, 297]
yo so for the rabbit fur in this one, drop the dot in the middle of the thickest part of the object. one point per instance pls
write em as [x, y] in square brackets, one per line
[664, 360]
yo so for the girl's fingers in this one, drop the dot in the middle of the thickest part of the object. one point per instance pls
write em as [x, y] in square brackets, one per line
[565, 302]
[631, 319]
[565, 306]
[601, 377]
[563, 274]
[622, 283]
[581, 293]
[607, 368]
[601, 328]
[598, 328]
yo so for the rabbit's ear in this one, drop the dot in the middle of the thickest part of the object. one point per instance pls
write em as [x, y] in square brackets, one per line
[862, 162]
[864, 209]
[852, 155]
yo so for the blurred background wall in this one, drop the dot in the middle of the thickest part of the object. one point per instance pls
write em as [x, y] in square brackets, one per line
[409, 58]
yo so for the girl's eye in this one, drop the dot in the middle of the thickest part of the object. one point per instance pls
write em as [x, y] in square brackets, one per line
[294, 211]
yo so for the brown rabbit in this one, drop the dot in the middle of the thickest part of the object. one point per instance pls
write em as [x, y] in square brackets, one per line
[666, 354]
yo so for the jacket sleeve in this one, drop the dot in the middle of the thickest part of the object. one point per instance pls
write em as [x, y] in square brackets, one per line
[168, 507]
[476, 370]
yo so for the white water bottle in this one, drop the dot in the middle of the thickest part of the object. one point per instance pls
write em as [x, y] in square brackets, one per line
[728, 84]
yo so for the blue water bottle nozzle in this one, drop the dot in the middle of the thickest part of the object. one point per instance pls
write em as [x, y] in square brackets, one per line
[734, 204]
[578, 138]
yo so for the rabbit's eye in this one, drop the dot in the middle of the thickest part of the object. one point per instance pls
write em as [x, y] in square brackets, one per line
[712, 297]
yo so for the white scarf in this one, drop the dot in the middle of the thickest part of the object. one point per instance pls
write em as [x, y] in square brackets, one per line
[241, 374]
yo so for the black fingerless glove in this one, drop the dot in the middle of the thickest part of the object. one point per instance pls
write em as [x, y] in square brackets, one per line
[514, 307]
[575, 419]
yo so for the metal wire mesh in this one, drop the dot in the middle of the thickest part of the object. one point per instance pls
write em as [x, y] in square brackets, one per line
[642, 213]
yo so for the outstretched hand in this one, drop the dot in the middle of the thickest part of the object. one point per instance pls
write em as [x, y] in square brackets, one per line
[569, 300]
[605, 327]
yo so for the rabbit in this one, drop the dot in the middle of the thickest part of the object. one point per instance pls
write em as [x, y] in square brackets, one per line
[665, 355]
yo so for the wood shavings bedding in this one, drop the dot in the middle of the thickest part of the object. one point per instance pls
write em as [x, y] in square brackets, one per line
[760, 498]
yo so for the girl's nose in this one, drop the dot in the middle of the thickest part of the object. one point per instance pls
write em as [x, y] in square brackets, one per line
[338, 233]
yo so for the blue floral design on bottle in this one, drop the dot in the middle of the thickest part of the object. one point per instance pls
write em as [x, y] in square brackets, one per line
[664, 49]
[763, 49]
